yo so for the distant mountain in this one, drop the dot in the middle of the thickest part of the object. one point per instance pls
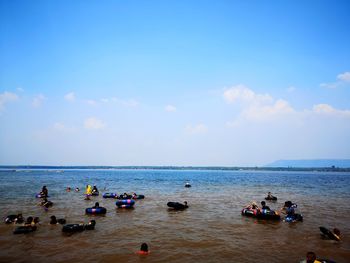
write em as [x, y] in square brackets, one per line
[316, 163]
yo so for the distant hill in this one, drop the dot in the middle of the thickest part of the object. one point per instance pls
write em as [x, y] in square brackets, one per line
[316, 163]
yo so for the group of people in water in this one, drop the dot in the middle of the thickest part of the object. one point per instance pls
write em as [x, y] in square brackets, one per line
[291, 216]
[30, 224]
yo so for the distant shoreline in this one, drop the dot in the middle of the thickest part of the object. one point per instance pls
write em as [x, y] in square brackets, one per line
[218, 168]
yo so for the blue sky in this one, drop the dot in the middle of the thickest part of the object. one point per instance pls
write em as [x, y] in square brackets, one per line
[173, 82]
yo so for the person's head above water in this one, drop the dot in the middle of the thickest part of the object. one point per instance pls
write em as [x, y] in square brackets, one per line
[97, 204]
[263, 203]
[310, 257]
[144, 247]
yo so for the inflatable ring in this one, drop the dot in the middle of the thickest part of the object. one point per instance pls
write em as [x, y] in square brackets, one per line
[125, 202]
[272, 198]
[96, 211]
[326, 232]
[293, 218]
[176, 205]
[109, 195]
[72, 228]
[24, 229]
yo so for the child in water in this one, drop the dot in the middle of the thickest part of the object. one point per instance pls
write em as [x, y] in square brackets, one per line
[143, 250]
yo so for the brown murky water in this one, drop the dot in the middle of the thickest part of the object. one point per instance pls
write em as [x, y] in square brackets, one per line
[211, 230]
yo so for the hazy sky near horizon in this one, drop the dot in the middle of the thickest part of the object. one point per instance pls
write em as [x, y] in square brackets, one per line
[173, 82]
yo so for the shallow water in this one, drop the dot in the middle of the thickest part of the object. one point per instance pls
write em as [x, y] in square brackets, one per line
[211, 230]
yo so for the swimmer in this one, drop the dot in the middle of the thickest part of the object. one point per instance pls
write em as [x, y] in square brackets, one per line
[143, 250]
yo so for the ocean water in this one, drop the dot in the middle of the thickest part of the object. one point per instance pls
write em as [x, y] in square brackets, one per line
[212, 229]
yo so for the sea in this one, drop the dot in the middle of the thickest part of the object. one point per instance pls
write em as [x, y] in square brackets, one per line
[212, 229]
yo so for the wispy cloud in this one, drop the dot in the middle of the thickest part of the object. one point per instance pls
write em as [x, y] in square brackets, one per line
[242, 94]
[7, 97]
[93, 123]
[329, 110]
[125, 102]
[60, 127]
[70, 97]
[38, 100]
[342, 79]
[91, 102]
[264, 108]
[196, 129]
[254, 106]
[170, 108]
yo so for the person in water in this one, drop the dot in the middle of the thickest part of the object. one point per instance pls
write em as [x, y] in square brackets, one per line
[94, 189]
[264, 206]
[68, 189]
[269, 195]
[143, 250]
[289, 208]
[44, 192]
[88, 190]
[252, 205]
[53, 220]
[77, 189]
[97, 205]
[46, 203]
[35, 221]
[310, 258]
[29, 221]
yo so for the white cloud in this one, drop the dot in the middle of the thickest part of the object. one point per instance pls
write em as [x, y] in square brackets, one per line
[196, 129]
[38, 100]
[91, 102]
[60, 127]
[329, 110]
[254, 106]
[7, 97]
[20, 89]
[93, 123]
[70, 97]
[344, 77]
[170, 108]
[241, 93]
[268, 112]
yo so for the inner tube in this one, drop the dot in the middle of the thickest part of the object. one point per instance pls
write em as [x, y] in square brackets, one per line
[96, 211]
[187, 185]
[24, 229]
[176, 205]
[268, 214]
[293, 218]
[72, 228]
[109, 195]
[261, 214]
[13, 219]
[41, 195]
[125, 206]
[326, 232]
[128, 202]
[271, 198]
[250, 212]
[138, 197]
